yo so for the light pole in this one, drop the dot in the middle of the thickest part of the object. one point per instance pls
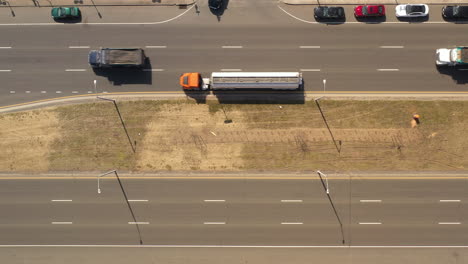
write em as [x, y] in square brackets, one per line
[326, 181]
[126, 199]
[324, 84]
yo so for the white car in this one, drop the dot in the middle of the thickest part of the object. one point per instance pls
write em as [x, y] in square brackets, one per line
[414, 10]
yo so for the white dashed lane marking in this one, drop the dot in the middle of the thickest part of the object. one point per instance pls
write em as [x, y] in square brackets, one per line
[449, 201]
[232, 47]
[153, 70]
[5, 70]
[291, 201]
[62, 223]
[214, 223]
[75, 70]
[370, 223]
[449, 223]
[214, 201]
[309, 70]
[61, 200]
[309, 47]
[138, 223]
[138, 200]
[5, 47]
[78, 47]
[291, 223]
[370, 201]
[155, 47]
[392, 47]
[388, 69]
[231, 69]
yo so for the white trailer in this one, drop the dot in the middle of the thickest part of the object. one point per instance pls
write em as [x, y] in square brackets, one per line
[256, 80]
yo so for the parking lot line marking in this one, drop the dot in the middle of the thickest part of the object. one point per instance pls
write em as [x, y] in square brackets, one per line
[5, 70]
[370, 201]
[388, 69]
[214, 201]
[449, 201]
[232, 47]
[310, 70]
[291, 223]
[449, 223]
[392, 47]
[291, 201]
[138, 223]
[231, 69]
[138, 200]
[78, 47]
[61, 200]
[155, 47]
[309, 47]
[370, 223]
[154, 70]
[75, 70]
[62, 223]
[214, 223]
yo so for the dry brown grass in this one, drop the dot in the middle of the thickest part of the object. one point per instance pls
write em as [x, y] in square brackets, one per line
[184, 136]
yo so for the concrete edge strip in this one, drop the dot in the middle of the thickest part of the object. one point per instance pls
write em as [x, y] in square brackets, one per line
[235, 246]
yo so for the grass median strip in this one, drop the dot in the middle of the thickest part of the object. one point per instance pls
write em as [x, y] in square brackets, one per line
[180, 135]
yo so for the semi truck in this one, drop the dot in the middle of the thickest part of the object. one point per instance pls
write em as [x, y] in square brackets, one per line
[193, 81]
[117, 57]
[452, 57]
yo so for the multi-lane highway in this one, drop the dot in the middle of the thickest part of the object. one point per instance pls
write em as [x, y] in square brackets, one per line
[266, 210]
[42, 59]
[260, 218]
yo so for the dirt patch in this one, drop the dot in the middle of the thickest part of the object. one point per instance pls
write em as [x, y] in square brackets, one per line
[26, 140]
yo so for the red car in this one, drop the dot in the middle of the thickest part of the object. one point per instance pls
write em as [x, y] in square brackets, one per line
[369, 11]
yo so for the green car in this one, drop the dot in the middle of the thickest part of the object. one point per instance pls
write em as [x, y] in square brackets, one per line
[65, 12]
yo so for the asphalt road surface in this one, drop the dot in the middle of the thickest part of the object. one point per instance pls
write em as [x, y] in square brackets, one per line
[420, 211]
[42, 59]
[263, 218]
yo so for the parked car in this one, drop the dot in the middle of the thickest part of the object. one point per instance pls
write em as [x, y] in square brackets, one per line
[65, 12]
[329, 12]
[412, 10]
[455, 12]
[369, 11]
[215, 4]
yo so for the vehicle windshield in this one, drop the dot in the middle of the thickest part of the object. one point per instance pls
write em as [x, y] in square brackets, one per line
[414, 9]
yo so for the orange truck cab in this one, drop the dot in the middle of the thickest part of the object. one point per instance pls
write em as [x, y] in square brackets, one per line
[193, 81]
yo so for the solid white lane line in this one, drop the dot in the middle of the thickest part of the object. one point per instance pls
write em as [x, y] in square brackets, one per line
[138, 200]
[291, 201]
[449, 201]
[370, 223]
[218, 201]
[78, 47]
[223, 246]
[214, 223]
[5, 70]
[138, 223]
[155, 47]
[61, 200]
[231, 69]
[310, 70]
[370, 201]
[291, 223]
[232, 47]
[75, 70]
[5, 47]
[449, 223]
[62, 223]
[388, 69]
[392, 47]
[309, 47]
[154, 70]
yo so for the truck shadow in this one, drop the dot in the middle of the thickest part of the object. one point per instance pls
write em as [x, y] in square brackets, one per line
[122, 76]
[458, 73]
[249, 97]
